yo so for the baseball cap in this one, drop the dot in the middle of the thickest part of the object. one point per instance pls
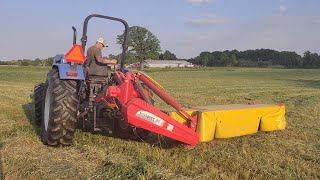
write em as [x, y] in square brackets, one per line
[102, 41]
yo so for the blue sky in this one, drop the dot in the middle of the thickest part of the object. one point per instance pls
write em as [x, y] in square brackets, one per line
[40, 29]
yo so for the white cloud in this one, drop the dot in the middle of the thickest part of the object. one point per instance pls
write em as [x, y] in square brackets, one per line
[208, 19]
[201, 1]
[282, 9]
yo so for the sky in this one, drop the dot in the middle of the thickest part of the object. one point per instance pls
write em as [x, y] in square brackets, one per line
[40, 29]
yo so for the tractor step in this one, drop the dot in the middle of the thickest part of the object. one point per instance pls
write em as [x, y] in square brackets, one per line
[225, 121]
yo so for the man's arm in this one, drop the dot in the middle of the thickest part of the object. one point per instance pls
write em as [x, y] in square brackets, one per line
[98, 56]
[106, 61]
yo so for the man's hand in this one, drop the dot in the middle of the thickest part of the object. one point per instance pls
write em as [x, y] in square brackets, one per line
[110, 61]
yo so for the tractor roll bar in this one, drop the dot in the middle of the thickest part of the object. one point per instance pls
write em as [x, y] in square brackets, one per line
[125, 40]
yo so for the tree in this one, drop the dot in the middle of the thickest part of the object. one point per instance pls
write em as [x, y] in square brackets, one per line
[233, 60]
[311, 60]
[224, 59]
[204, 61]
[36, 62]
[131, 58]
[4, 63]
[289, 59]
[142, 43]
[204, 58]
[48, 61]
[24, 63]
[167, 55]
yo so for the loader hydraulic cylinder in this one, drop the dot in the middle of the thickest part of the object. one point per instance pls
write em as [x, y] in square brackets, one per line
[165, 97]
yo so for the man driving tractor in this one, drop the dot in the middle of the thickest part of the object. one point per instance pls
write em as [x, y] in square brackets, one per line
[95, 64]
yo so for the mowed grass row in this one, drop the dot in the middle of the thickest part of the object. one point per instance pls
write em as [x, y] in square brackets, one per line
[292, 153]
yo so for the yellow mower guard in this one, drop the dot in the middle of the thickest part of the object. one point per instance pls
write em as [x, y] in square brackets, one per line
[225, 121]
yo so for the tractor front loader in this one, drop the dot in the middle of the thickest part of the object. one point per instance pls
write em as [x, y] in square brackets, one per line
[121, 103]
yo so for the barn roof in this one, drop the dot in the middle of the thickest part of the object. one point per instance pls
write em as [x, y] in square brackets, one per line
[151, 61]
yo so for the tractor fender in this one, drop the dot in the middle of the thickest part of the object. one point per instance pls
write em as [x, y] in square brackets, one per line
[59, 59]
[64, 68]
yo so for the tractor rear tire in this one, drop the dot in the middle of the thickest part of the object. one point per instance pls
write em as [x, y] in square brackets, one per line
[59, 110]
[38, 98]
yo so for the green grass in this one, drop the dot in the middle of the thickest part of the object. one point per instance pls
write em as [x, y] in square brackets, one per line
[290, 154]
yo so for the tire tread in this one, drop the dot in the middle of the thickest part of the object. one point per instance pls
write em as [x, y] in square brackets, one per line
[64, 100]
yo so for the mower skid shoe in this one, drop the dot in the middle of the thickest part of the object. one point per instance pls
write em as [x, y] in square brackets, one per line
[143, 115]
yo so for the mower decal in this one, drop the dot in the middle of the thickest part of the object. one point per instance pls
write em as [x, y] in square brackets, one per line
[170, 127]
[150, 118]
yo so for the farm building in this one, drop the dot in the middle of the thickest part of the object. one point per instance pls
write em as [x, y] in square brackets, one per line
[167, 63]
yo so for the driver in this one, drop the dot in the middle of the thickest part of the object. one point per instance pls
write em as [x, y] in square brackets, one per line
[95, 64]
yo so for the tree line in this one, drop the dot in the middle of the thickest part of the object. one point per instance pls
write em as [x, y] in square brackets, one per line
[248, 58]
[143, 44]
[257, 58]
[29, 62]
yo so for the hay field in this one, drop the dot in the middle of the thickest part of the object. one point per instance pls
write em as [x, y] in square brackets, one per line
[290, 154]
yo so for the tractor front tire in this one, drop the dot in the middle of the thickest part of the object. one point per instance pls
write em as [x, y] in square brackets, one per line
[59, 114]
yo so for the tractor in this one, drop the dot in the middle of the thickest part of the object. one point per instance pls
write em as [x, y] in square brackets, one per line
[121, 103]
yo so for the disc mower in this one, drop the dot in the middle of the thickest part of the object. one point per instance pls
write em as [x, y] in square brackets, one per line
[122, 103]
